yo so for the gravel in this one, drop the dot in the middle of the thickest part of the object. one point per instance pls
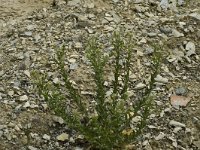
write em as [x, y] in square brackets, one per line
[30, 43]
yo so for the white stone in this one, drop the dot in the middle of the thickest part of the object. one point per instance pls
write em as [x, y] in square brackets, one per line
[56, 80]
[176, 33]
[23, 98]
[190, 47]
[27, 73]
[78, 45]
[46, 137]
[32, 148]
[140, 86]
[160, 79]
[72, 60]
[195, 15]
[160, 136]
[74, 2]
[164, 4]
[136, 119]
[27, 104]
[62, 137]
[58, 119]
[11, 93]
[176, 124]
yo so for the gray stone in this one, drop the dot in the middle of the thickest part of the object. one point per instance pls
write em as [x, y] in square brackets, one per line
[180, 2]
[166, 30]
[164, 4]
[152, 34]
[190, 47]
[28, 33]
[195, 15]
[160, 79]
[74, 2]
[58, 119]
[149, 50]
[181, 91]
[73, 66]
[176, 33]
[23, 98]
[31, 27]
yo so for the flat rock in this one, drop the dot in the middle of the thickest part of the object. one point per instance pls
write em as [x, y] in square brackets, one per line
[32, 148]
[176, 33]
[181, 91]
[195, 15]
[190, 47]
[176, 124]
[23, 98]
[46, 137]
[62, 137]
[161, 79]
[74, 2]
[140, 86]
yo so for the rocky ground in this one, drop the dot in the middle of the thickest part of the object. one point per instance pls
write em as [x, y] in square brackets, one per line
[28, 37]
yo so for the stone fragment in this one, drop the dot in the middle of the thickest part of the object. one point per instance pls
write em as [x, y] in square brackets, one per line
[27, 104]
[152, 34]
[46, 137]
[62, 137]
[45, 106]
[177, 129]
[181, 91]
[78, 148]
[11, 93]
[164, 4]
[27, 73]
[73, 66]
[149, 50]
[74, 2]
[177, 101]
[180, 2]
[195, 15]
[28, 33]
[138, 1]
[140, 86]
[72, 60]
[165, 30]
[78, 45]
[23, 98]
[161, 79]
[160, 136]
[176, 33]
[56, 80]
[190, 47]
[58, 119]
[37, 37]
[30, 27]
[116, 18]
[176, 124]
[32, 148]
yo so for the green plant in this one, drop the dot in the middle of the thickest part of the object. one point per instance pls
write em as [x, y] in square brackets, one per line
[108, 124]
